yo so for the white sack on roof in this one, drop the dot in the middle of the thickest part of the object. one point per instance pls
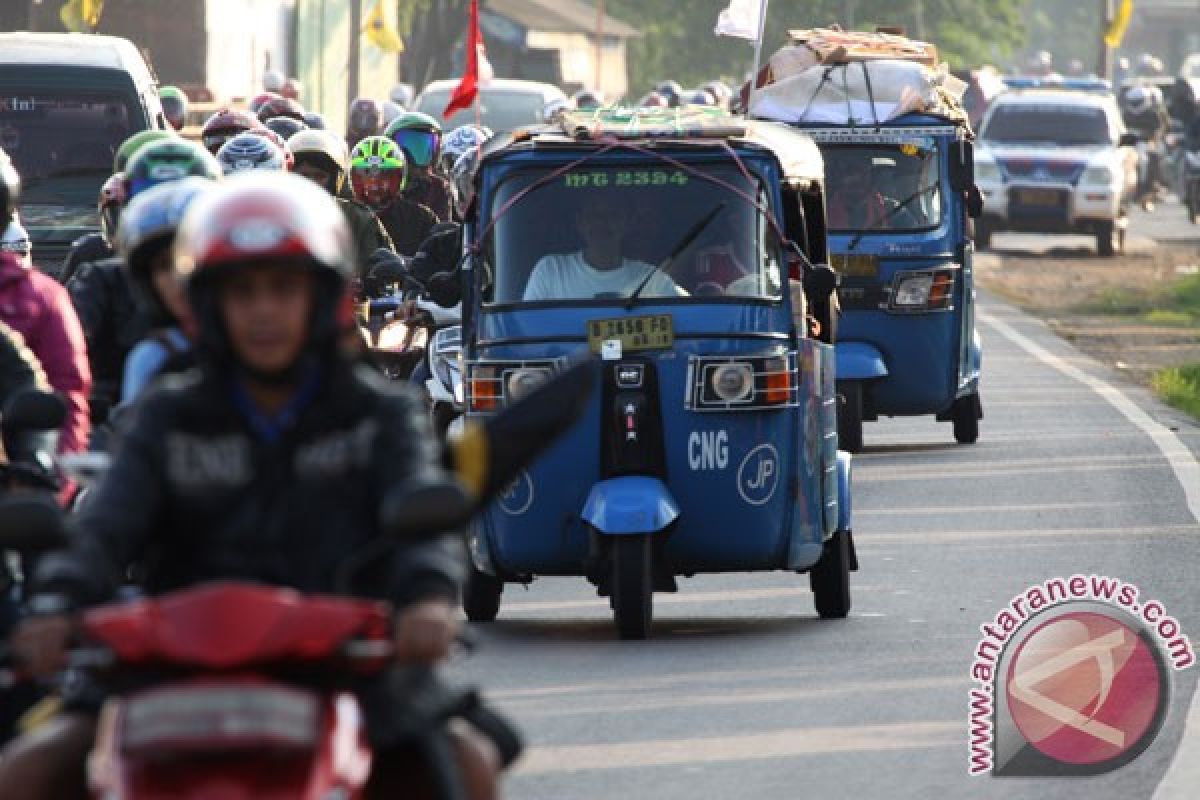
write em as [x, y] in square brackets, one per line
[863, 92]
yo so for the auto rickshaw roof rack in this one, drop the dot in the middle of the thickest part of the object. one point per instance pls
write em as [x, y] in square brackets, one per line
[689, 126]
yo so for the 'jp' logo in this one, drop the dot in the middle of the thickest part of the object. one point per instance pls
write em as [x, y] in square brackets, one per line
[759, 475]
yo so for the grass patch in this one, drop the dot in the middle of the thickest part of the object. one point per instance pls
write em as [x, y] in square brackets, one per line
[1178, 303]
[1180, 387]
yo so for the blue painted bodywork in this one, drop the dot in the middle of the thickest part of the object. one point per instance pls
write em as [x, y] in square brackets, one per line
[729, 517]
[915, 363]
[631, 504]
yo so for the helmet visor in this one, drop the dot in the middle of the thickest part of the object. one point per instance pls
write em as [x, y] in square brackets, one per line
[421, 147]
[174, 111]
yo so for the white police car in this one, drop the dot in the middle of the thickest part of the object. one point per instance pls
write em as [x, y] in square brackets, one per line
[1056, 160]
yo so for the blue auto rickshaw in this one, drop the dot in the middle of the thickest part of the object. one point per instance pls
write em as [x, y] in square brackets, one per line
[900, 195]
[683, 253]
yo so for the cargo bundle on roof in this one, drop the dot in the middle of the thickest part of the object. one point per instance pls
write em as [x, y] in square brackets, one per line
[831, 76]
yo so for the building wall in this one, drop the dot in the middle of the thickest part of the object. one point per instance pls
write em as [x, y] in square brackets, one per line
[1168, 29]
[579, 60]
[245, 38]
[323, 46]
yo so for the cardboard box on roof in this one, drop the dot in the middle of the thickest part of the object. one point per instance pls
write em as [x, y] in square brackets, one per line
[836, 46]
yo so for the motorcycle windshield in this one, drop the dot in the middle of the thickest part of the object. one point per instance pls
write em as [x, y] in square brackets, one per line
[604, 233]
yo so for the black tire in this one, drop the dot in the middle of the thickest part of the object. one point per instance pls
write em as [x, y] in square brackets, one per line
[850, 416]
[632, 586]
[830, 578]
[481, 596]
[965, 416]
[1110, 239]
[1194, 205]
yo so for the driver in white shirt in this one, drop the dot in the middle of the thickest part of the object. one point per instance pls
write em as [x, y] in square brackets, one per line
[599, 270]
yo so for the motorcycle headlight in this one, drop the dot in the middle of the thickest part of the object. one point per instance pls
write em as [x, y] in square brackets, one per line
[1097, 176]
[394, 338]
[988, 172]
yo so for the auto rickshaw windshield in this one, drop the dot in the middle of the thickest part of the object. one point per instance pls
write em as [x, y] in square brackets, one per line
[599, 233]
[885, 187]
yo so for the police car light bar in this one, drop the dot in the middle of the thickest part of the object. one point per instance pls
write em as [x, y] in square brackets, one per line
[1067, 84]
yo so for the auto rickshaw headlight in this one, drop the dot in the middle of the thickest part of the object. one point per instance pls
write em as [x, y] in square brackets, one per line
[930, 290]
[733, 382]
[1097, 176]
[520, 383]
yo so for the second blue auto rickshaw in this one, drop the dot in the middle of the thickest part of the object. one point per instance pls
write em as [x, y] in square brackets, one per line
[682, 253]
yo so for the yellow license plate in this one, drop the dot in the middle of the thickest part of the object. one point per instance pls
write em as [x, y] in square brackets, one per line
[855, 264]
[1039, 197]
[655, 332]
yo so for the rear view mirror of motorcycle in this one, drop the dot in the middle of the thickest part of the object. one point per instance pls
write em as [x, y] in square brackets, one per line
[426, 508]
[31, 522]
[489, 454]
[1129, 139]
[32, 410]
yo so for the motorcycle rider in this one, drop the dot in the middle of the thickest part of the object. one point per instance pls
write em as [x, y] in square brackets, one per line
[145, 241]
[250, 151]
[224, 125]
[365, 119]
[378, 172]
[102, 296]
[322, 158]
[420, 137]
[38, 307]
[1145, 114]
[301, 446]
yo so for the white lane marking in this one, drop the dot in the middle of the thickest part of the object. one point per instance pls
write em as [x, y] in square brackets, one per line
[739, 747]
[1182, 775]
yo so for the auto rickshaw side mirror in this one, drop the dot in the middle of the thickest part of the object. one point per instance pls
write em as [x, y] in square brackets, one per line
[974, 202]
[962, 166]
[1128, 140]
[820, 282]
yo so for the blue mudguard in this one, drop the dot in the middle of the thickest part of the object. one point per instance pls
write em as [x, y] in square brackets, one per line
[858, 361]
[630, 505]
[844, 508]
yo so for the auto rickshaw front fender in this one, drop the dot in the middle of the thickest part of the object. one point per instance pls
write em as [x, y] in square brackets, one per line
[859, 361]
[633, 504]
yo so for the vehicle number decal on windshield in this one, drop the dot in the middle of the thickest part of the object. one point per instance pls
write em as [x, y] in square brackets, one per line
[626, 178]
[9, 105]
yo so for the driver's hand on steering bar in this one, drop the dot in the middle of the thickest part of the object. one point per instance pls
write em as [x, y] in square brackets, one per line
[426, 631]
[39, 644]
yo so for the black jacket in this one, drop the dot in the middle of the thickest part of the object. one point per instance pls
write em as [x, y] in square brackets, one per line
[112, 324]
[84, 250]
[195, 495]
[19, 367]
[408, 224]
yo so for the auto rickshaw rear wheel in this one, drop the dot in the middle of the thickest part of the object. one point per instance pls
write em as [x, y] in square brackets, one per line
[481, 596]
[850, 416]
[1110, 239]
[965, 416]
[830, 578]
[632, 585]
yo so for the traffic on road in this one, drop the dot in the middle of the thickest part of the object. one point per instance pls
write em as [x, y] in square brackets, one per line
[514, 431]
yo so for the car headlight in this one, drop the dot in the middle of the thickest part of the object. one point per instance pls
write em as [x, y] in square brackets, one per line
[1097, 176]
[988, 172]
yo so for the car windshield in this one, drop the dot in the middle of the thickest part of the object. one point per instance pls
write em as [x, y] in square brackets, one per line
[499, 110]
[597, 233]
[1048, 124]
[62, 142]
[895, 187]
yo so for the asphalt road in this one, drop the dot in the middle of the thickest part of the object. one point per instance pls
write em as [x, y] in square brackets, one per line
[743, 693]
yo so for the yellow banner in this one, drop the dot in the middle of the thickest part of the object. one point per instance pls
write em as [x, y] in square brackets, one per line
[81, 16]
[379, 34]
[1120, 24]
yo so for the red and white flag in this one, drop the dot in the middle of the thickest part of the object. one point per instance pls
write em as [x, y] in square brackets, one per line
[479, 69]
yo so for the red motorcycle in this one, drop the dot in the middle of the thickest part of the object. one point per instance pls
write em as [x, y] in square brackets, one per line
[229, 723]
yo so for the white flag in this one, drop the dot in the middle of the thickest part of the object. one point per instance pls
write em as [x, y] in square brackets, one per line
[743, 19]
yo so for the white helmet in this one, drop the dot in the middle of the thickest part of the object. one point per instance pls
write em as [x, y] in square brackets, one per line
[401, 94]
[1139, 100]
[15, 240]
[273, 80]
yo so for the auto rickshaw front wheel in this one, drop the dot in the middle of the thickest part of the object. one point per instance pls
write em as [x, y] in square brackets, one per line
[1110, 239]
[965, 415]
[632, 585]
[830, 578]
[481, 596]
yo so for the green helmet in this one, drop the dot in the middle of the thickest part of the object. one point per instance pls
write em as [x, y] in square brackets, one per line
[168, 160]
[174, 105]
[419, 135]
[134, 143]
[378, 171]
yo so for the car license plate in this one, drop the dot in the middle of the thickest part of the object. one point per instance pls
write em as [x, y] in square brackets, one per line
[655, 332]
[1044, 198]
[856, 264]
